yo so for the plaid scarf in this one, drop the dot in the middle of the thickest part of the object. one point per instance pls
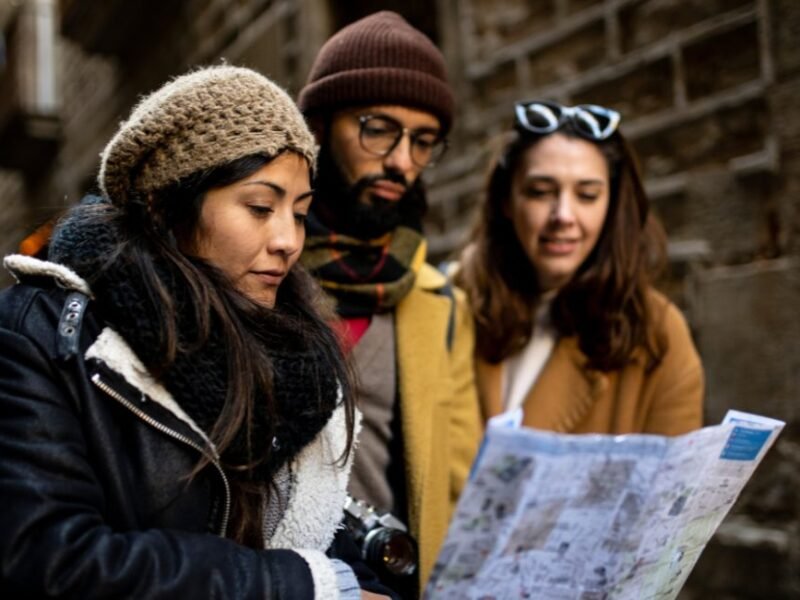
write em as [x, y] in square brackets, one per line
[364, 276]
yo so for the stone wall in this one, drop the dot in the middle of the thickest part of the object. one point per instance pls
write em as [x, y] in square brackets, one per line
[101, 78]
[708, 90]
[15, 216]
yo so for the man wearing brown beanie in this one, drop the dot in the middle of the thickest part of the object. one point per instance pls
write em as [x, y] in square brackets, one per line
[378, 99]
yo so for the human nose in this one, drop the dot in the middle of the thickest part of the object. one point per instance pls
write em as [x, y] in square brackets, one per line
[562, 211]
[286, 237]
[399, 157]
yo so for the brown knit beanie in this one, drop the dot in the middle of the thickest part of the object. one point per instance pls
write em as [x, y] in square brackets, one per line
[200, 120]
[380, 59]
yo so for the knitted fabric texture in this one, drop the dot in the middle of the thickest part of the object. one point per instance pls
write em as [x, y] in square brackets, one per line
[380, 59]
[363, 276]
[304, 388]
[203, 119]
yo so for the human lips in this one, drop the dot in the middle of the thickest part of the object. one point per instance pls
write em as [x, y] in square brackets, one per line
[388, 190]
[270, 277]
[558, 246]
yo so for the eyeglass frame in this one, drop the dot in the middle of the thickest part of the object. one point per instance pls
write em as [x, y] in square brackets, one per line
[402, 132]
[569, 113]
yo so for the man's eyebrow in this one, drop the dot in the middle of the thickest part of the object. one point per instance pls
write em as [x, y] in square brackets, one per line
[382, 115]
[428, 129]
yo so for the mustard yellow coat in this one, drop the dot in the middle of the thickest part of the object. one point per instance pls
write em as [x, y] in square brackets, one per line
[569, 398]
[439, 406]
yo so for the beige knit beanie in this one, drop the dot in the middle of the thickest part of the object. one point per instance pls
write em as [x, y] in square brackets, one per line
[200, 120]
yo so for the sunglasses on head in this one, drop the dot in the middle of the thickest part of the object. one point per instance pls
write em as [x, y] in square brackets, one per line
[589, 120]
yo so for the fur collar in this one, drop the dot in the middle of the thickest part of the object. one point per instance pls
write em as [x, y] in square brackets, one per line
[320, 482]
[20, 265]
[112, 350]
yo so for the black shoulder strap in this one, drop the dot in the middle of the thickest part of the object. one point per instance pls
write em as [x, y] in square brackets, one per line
[69, 325]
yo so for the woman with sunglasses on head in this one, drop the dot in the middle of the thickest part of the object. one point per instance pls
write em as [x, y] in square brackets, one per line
[176, 418]
[559, 271]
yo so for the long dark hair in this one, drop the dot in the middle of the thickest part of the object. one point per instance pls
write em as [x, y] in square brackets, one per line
[605, 303]
[150, 226]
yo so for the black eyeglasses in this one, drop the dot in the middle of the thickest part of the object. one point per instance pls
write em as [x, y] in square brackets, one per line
[589, 120]
[380, 135]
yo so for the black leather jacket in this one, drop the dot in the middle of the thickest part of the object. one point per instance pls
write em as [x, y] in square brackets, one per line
[94, 498]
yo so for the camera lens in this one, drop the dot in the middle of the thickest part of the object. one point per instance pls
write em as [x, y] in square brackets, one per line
[391, 548]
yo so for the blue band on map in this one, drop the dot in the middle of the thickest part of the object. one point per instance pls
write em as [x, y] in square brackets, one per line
[745, 443]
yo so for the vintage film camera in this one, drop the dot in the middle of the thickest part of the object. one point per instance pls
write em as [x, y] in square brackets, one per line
[384, 541]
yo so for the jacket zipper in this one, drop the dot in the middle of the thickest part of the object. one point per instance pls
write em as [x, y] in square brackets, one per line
[96, 380]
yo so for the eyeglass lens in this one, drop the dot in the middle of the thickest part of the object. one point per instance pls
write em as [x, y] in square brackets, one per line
[543, 117]
[380, 136]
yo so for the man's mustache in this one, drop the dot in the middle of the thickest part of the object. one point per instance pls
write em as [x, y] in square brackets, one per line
[368, 180]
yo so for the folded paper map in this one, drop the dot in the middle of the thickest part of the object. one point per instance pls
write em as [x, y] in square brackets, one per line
[591, 517]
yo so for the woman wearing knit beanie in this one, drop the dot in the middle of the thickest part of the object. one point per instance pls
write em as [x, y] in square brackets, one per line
[177, 418]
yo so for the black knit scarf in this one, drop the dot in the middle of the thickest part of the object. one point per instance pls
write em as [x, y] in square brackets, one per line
[304, 385]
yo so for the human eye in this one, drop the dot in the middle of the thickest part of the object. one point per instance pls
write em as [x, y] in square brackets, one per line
[588, 194]
[259, 210]
[425, 141]
[536, 192]
[300, 218]
[377, 127]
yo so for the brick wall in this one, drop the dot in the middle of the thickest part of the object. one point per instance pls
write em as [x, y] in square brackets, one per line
[15, 215]
[708, 90]
[97, 89]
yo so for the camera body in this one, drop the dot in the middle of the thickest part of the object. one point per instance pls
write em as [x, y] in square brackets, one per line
[384, 541]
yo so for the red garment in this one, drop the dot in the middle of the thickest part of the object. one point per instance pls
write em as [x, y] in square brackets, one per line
[350, 331]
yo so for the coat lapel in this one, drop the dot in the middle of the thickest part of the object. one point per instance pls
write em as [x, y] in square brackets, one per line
[421, 323]
[565, 392]
[562, 396]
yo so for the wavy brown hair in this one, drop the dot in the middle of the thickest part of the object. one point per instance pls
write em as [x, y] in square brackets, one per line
[605, 303]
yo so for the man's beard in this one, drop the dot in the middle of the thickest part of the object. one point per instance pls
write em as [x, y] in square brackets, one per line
[338, 205]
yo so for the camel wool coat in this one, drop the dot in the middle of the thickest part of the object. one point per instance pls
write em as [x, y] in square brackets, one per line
[569, 398]
[439, 407]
